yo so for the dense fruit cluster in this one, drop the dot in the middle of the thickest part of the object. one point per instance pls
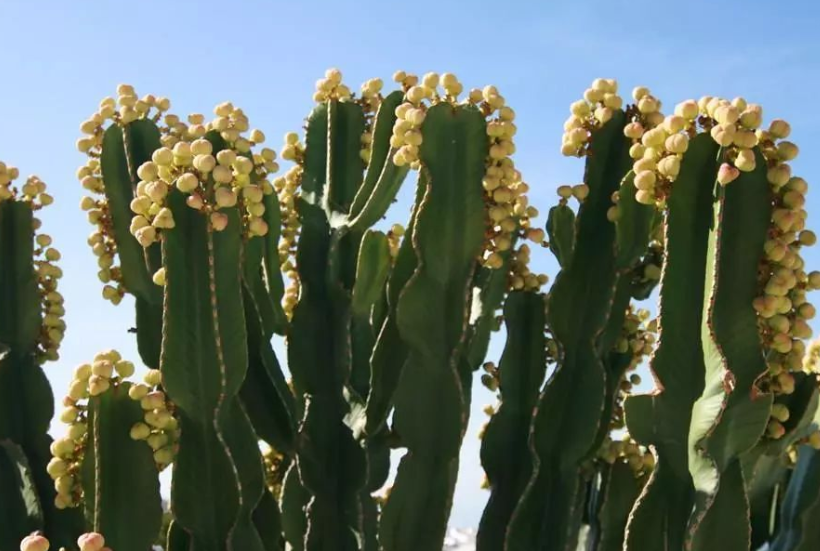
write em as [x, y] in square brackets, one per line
[108, 370]
[275, 468]
[90, 380]
[101, 241]
[637, 340]
[288, 190]
[600, 101]
[33, 193]
[159, 427]
[212, 180]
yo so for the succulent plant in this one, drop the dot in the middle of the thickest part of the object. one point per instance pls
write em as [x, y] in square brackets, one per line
[386, 324]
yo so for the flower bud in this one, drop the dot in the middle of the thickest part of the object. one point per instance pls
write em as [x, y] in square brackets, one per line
[153, 378]
[669, 166]
[779, 129]
[219, 221]
[745, 160]
[687, 109]
[34, 542]
[140, 431]
[164, 219]
[580, 191]
[187, 182]
[91, 541]
[97, 385]
[645, 197]
[787, 151]
[727, 173]
[677, 143]
[225, 197]
[146, 236]
[153, 400]
[639, 92]
[137, 392]
[645, 180]
[124, 368]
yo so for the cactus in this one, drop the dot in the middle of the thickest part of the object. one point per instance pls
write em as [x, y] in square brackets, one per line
[31, 329]
[386, 324]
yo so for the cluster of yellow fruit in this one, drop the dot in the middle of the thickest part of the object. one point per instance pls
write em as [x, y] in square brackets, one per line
[48, 273]
[370, 101]
[600, 102]
[7, 175]
[394, 238]
[90, 541]
[108, 368]
[331, 88]
[234, 175]
[509, 214]
[33, 191]
[126, 108]
[626, 450]
[638, 337]
[734, 125]
[658, 144]
[211, 180]
[159, 427]
[51, 301]
[275, 469]
[520, 277]
[782, 307]
[288, 189]
[406, 137]
[490, 379]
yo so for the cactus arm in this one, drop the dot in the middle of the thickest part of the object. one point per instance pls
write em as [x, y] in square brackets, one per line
[204, 361]
[270, 262]
[372, 270]
[390, 353]
[766, 480]
[799, 526]
[294, 502]
[177, 538]
[489, 288]
[124, 149]
[118, 470]
[661, 419]
[119, 164]
[632, 228]
[20, 510]
[253, 260]
[21, 319]
[383, 179]
[504, 449]
[332, 465]
[265, 393]
[432, 318]
[544, 518]
[561, 232]
[381, 169]
[765, 468]
[731, 414]
[268, 522]
[617, 493]
[26, 400]
[344, 166]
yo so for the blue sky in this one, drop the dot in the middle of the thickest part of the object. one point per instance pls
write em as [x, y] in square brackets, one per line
[58, 59]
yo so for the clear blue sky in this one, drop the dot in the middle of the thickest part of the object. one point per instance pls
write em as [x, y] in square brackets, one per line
[59, 58]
